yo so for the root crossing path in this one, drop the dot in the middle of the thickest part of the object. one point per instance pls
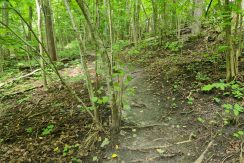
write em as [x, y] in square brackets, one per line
[156, 136]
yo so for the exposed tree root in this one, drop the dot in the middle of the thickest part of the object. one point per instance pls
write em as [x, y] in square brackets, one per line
[200, 159]
[141, 127]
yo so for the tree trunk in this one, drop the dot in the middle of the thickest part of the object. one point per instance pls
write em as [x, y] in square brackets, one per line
[39, 25]
[198, 11]
[84, 64]
[231, 62]
[108, 71]
[29, 34]
[5, 18]
[155, 16]
[51, 46]
[136, 21]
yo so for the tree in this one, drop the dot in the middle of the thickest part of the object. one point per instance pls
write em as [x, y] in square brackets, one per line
[197, 13]
[231, 54]
[4, 52]
[108, 68]
[51, 46]
[39, 25]
[84, 65]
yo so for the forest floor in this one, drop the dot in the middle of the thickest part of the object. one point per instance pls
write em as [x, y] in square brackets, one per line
[170, 118]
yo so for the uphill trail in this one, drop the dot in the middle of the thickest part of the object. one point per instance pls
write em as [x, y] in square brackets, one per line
[158, 136]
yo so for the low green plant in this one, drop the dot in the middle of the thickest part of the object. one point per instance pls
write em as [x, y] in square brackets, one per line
[174, 46]
[29, 130]
[48, 130]
[234, 110]
[102, 100]
[133, 51]
[210, 87]
[234, 88]
[201, 120]
[174, 105]
[217, 100]
[20, 101]
[68, 148]
[190, 100]
[239, 134]
[76, 160]
[202, 77]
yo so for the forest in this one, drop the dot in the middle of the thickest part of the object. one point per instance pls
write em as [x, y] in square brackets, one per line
[122, 81]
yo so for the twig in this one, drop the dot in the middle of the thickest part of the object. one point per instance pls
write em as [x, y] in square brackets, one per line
[164, 146]
[146, 126]
[241, 154]
[34, 107]
[189, 112]
[225, 158]
[20, 92]
[200, 159]
[37, 114]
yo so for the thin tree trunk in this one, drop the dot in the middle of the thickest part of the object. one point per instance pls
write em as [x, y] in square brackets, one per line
[231, 71]
[5, 18]
[105, 57]
[39, 25]
[51, 46]
[110, 31]
[84, 64]
[155, 16]
[29, 34]
[198, 11]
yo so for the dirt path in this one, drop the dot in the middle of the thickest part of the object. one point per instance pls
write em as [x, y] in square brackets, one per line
[167, 141]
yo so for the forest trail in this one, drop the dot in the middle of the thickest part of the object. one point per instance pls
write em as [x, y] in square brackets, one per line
[158, 140]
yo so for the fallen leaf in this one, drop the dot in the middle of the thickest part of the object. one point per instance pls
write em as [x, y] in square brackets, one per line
[114, 155]
[160, 151]
[105, 142]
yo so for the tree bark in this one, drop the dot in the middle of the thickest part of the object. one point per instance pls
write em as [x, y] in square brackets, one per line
[84, 64]
[108, 71]
[197, 13]
[155, 16]
[231, 62]
[39, 25]
[5, 18]
[51, 46]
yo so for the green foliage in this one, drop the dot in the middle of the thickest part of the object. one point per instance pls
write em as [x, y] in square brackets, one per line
[105, 142]
[100, 101]
[217, 100]
[67, 149]
[20, 101]
[190, 100]
[71, 50]
[202, 77]
[133, 51]
[201, 120]
[235, 88]
[239, 134]
[233, 109]
[48, 130]
[29, 130]
[76, 160]
[119, 45]
[210, 87]
[174, 46]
